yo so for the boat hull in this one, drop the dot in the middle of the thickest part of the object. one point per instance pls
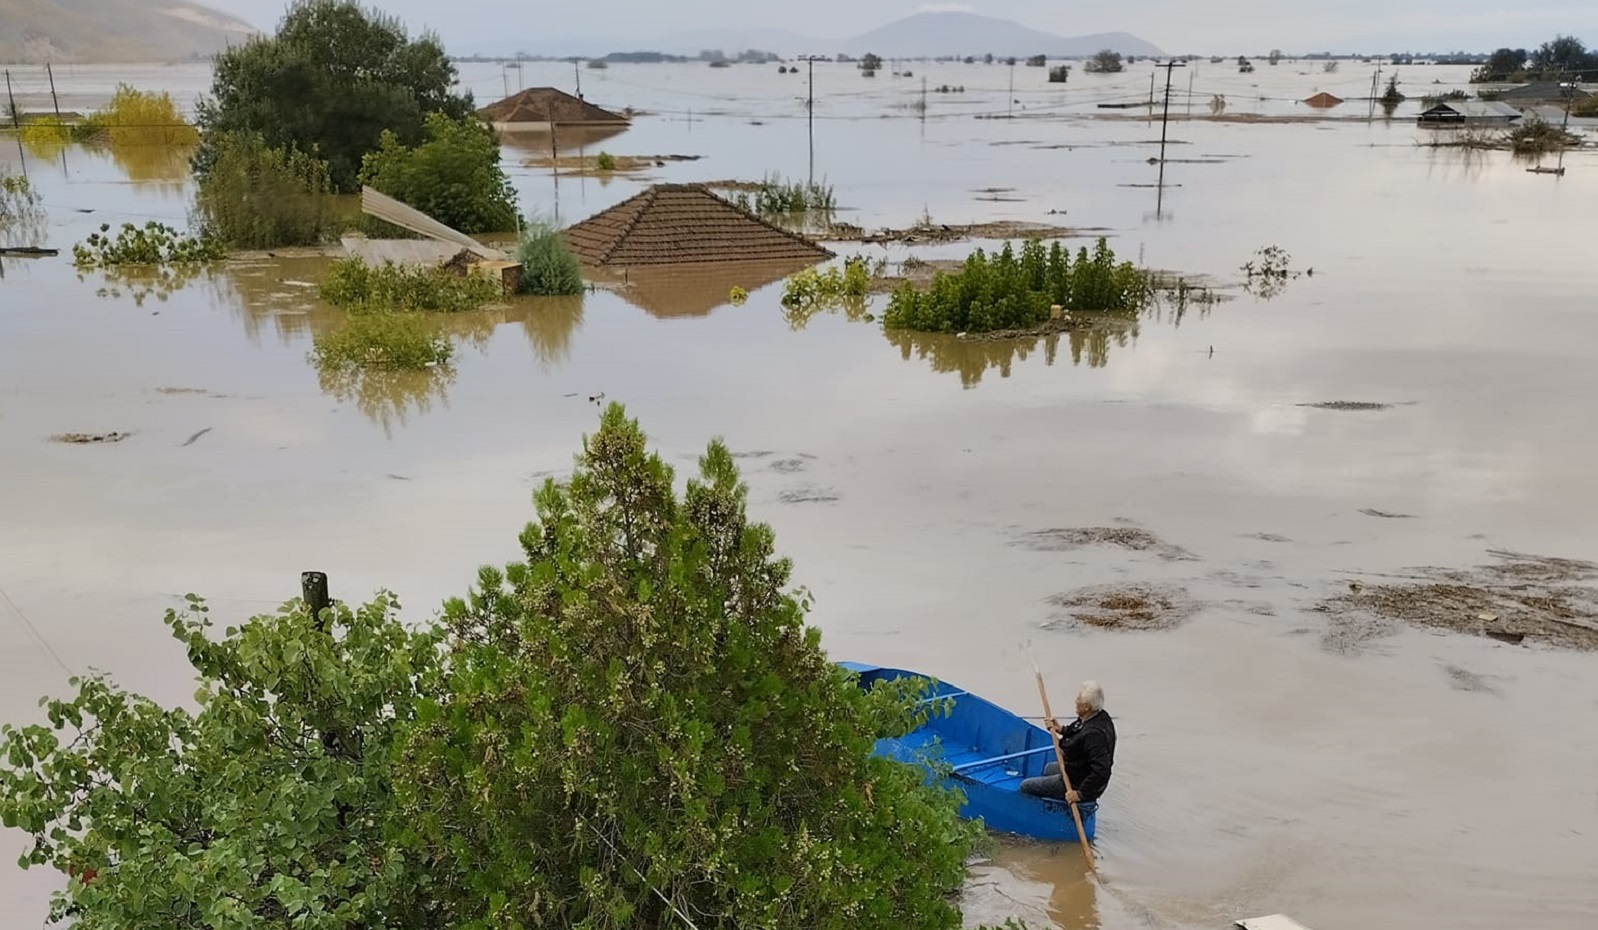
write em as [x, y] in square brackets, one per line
[984, 751]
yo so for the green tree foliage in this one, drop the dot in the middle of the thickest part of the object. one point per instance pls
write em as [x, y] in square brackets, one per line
[330, 82]
[152, 244]
[265, 808]
[1007, 291]
[454, 176]
[258, 197]
[1506, 64]
[391, 288]
[549, 269]
[640, 723]
[1562, 57]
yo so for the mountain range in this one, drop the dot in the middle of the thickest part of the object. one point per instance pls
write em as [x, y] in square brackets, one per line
[114, 30]
[924, 35]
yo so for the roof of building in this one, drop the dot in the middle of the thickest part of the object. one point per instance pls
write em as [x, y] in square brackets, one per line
[1324, 99]
[547, 105]
[674, 224]
[1473, 109]
[1543, 90]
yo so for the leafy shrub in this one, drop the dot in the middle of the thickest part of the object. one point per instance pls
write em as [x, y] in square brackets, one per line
[810, 292]
[138, 117]
[1535, 135]
[454, 176]
[640, 704]
[549, 269]
[1105, 61]
[1008, 291]
[391, 341]
[778, 197]
[266, 798]
[737, 297]
[151, 244]
[390, 288]
[605, 162]
[17, 197]
[45, 136]
[255, 197]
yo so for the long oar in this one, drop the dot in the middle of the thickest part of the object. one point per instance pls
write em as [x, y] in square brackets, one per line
[1059, 756]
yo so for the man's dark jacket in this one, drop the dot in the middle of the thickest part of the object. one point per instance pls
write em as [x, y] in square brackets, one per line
[1089, 747]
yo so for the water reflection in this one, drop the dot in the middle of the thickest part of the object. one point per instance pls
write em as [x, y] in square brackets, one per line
[1073, 902]
[164, 165]
[389, 398]
[668, 291]
[144, 282]
[973, 358]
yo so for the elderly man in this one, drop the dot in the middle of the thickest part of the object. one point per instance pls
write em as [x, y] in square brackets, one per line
[1088, 745]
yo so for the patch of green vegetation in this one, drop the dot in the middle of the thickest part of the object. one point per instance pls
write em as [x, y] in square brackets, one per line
[737, 297]
[549, 269]
[777, 197]
[1535, 136]
[138, 117]
[152, 244]
[454, 176]
[386, 341]
[390, 288]
[1009, 291]
[605, 162]
[257, 197]
[45, 137]
[810, 292]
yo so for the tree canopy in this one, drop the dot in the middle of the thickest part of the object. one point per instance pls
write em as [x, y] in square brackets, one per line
[267, 807]
[1561, 58]
[330, 82]
[454, 176]
[657, 732]
[1105, 61]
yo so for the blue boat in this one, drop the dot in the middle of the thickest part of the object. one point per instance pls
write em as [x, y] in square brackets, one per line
[987, 751]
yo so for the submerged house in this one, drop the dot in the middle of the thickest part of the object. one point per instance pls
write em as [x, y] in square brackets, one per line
[1323, 101]
[1541, 92]
[1459, 112]
[679, 249]
[540, 109]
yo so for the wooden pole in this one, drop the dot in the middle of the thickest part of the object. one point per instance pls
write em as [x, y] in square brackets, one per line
[313, 590]
[1059, 756]
[16, 114]
[54, 100]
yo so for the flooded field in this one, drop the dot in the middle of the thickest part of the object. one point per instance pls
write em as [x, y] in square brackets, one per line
[1236, 517]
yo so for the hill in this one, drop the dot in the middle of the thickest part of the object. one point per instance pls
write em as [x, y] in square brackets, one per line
[930, 35]
[113, 30]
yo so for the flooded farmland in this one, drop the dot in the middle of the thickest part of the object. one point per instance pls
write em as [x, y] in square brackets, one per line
[1269, 468]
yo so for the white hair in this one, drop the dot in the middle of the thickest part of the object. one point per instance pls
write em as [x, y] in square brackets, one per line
[1092, 695]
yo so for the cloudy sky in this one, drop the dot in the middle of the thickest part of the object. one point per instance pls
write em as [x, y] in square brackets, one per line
[1176, 25]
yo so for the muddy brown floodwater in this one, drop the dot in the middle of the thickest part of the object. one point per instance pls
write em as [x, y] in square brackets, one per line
[1370, 756]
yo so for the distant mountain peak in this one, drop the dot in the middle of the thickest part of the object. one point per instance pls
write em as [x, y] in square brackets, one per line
[114, 30]
[936, 32]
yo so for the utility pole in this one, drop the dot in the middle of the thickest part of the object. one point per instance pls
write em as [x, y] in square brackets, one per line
[16, 115]
[924, 100]
[810, 111]
[56, 101]
[1010, 97]
[1165, 117]
[1376, 80]
[1190, 76]
[578, 73]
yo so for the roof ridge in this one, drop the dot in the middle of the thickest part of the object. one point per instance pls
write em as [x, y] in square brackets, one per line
[647, 196]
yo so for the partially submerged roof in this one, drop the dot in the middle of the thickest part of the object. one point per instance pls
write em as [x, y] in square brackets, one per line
[548, 105]
[1542, 91]
[1471, 109]
[674, 224]
[1323, 100]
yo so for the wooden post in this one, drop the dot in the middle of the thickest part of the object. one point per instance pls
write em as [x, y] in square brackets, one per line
[16, 115]
[54, 100]
[313, 590]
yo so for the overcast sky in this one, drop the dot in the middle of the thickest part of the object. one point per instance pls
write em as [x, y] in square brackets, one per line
[1217, 26]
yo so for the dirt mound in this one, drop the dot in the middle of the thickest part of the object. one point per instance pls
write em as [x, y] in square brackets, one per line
[1517, 598]
[1125, 537]
[1124, 607]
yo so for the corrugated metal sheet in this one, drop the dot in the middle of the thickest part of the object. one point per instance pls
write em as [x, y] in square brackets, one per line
[389, 210]
[400, 251]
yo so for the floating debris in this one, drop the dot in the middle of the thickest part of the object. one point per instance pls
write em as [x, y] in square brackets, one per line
[1140, 607]
[88, 439]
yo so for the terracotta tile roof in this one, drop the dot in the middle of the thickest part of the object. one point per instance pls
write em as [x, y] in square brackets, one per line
[1323, 100]
[547, 105]
[671, 224]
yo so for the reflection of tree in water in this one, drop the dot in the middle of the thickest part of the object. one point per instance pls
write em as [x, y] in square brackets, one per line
[549, 324]
[388, 398]
[143, 282]
[799, 315]
[973, 358]
[144, 163]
